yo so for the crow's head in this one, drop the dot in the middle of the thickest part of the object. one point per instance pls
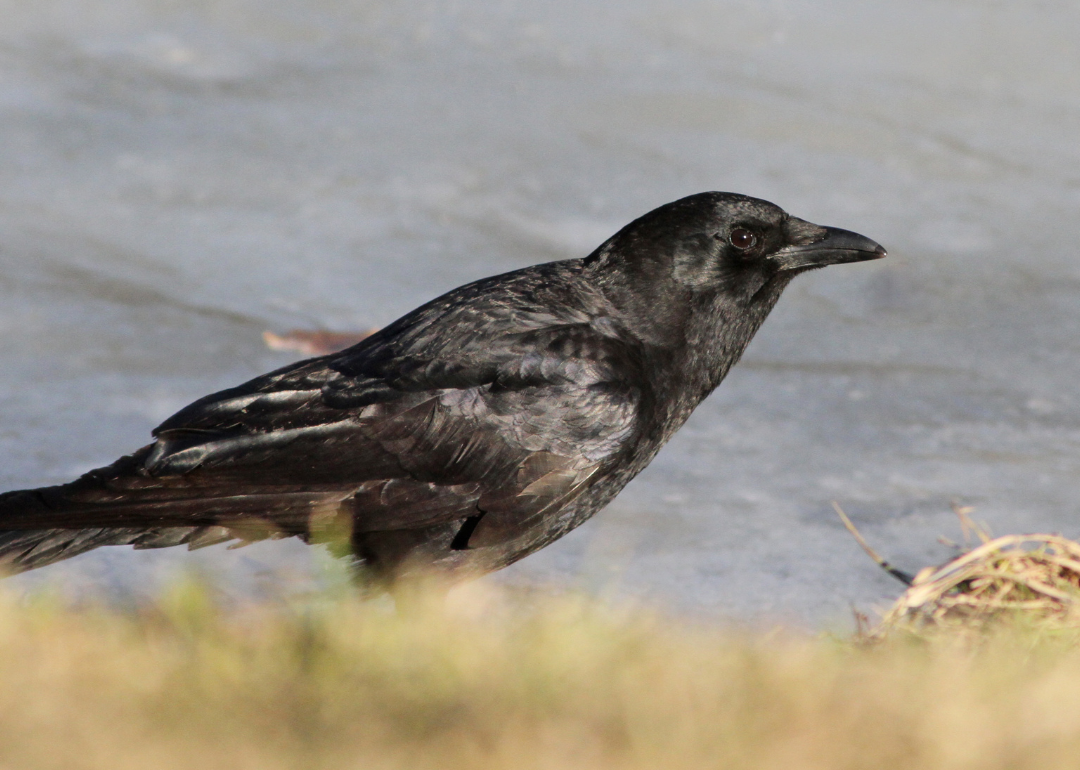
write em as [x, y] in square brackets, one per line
[718, 250]
[724, 240]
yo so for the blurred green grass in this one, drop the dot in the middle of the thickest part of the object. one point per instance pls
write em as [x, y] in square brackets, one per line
[494, 679]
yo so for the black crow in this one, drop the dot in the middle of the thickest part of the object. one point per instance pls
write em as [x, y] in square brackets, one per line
[470, 432]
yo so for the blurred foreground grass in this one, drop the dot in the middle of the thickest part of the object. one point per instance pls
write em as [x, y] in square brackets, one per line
[490, 680]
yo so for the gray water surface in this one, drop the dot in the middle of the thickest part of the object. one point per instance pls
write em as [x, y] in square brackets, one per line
[176, 177]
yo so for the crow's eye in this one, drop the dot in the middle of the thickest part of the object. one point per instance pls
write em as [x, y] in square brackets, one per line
[743, 239]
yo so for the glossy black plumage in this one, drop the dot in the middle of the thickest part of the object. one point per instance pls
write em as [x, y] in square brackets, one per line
[472, 431]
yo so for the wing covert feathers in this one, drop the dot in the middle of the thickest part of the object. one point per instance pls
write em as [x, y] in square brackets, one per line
[443, 418]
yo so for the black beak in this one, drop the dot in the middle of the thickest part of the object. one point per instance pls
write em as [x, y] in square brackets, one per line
[837, 247]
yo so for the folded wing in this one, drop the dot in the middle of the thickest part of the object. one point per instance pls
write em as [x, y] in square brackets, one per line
[481, 424]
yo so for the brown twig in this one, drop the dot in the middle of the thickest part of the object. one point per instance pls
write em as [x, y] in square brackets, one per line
[900, 575]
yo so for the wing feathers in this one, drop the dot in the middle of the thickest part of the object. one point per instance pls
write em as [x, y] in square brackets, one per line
[178, 452]
[488, 405]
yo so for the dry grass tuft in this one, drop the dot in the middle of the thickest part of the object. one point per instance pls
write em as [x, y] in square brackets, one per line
[1030, 581]
[1031, 578]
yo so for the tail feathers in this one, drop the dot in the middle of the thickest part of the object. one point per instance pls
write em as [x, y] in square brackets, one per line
[39, 527]
[43, 526]
[122, 505]
[25, 550]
